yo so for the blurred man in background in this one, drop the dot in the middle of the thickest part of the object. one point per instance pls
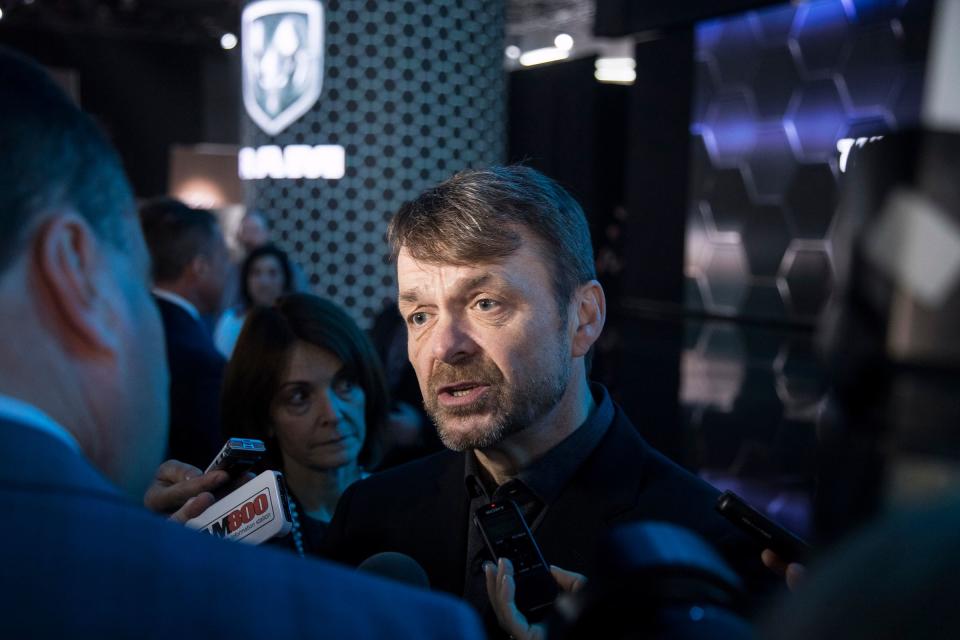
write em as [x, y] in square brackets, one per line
[189, 266]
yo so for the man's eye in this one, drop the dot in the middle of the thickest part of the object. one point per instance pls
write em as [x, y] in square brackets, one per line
[486, 304]
[418, 318]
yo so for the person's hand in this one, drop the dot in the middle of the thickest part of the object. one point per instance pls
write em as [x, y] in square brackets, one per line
[793, 572]
[182, 491]
[502, 590]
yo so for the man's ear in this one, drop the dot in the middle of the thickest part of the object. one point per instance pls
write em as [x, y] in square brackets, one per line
[590, 308]
[74, 281]
[199, 266]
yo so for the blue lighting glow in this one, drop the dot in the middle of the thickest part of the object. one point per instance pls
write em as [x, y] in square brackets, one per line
[816, 119]
[839, 87]
[868, 10]
[780, 92]
[730, 130]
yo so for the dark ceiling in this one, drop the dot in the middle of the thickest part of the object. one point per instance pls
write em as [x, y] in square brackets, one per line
[182, 20]
[198, 20]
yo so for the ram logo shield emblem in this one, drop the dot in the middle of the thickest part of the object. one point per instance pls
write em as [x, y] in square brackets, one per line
[282, 60]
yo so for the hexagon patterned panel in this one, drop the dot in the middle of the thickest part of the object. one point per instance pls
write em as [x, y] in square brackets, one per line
[414, 91]
[777, 90]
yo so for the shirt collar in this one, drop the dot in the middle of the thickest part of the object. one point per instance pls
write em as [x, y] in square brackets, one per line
[178, 300]
[26, 414]
[548, 475]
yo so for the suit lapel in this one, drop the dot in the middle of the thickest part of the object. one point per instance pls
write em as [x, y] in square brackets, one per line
[605, 487]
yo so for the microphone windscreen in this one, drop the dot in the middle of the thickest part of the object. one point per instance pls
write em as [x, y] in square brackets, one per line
[396, 566]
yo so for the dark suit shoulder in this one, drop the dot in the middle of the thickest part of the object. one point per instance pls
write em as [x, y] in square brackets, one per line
[378, 506]
[187, 339]
[172, 315]
[44, 463]
[665, 491]
[114, 570]
[404, 509]
[651, 486]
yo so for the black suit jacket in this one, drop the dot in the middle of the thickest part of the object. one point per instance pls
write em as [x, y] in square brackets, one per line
[196, 375]
[421, 509]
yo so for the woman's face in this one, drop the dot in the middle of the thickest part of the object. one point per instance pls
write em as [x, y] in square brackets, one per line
[265, 280]
[318, 414]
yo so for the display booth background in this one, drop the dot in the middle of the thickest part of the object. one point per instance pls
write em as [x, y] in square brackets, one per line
[775, 90]
[414, 91]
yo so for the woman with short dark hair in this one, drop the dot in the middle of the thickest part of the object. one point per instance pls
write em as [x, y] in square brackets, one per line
[305, 379]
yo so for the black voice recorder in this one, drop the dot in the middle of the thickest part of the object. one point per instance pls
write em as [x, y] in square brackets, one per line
[507, 535]
[787, 545]
[237, 456]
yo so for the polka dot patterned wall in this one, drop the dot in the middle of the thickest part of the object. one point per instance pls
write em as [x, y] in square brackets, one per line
[414, 91]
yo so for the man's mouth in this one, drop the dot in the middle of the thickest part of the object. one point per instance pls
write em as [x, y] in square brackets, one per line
[461, 393]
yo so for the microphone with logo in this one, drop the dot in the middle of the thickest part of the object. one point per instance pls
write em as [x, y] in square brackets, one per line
[256, 511]
[396, 566]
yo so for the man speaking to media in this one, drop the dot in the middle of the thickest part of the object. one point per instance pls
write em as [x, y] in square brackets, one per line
[499, 294]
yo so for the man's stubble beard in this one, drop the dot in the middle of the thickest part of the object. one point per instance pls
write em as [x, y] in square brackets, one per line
[509, 410]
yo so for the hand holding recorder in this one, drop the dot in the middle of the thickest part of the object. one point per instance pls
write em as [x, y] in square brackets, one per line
[521, 586]
[506, 534]
[182, 491]
[255, 511]
[502, 589]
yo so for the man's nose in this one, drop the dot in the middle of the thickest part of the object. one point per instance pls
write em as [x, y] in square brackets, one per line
[451, 342]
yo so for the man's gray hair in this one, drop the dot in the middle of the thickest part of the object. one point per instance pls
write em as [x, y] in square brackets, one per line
[477, 216]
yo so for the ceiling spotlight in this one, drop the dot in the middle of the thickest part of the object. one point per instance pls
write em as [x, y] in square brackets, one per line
[564, 42]
[228, 41]
[543, 56]
[513, 52]
[616, 70]
[1, 14]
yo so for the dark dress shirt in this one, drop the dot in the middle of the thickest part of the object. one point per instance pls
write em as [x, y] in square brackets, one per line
[533, 489]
